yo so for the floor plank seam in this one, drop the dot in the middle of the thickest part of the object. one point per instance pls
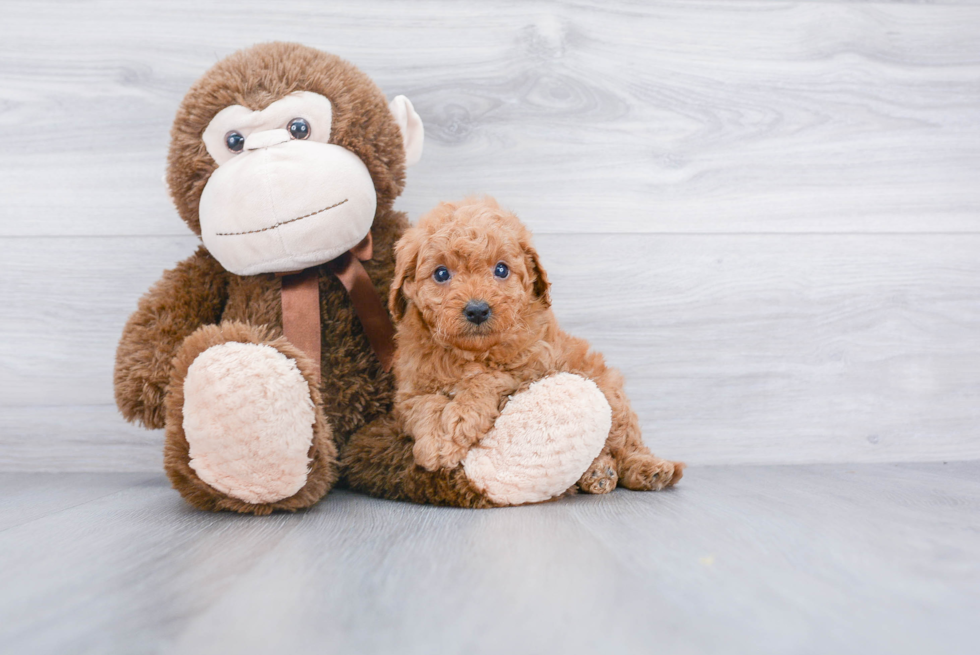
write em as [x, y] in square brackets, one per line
[71, 507]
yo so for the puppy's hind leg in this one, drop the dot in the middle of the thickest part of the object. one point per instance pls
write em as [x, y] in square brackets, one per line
[637, 467]
[646, 472]
[601, 476]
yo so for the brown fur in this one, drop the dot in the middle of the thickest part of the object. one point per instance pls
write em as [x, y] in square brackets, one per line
[199, 292]
[454, 377]
[379, 461]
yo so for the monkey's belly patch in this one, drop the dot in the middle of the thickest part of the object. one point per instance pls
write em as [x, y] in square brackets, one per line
[248, 419]
[542, 442]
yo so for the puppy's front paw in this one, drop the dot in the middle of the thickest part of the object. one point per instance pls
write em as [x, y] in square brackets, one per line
[452, 454]
[426, 451]
[466, 426]
[601, 476]
[649, 473]
[434, 452]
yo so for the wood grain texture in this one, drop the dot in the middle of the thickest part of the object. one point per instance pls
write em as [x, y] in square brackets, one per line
[27, 497]
[725, 116]
[766, 349]
[806, 559]
[765, 213]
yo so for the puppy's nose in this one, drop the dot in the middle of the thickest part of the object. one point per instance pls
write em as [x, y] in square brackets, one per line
[476, 311]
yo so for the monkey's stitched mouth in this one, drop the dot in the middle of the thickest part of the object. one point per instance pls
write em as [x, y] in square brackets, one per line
[281, 223]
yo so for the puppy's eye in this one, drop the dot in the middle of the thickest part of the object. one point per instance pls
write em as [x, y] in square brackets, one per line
[501, 271]
[235, 141]
[441, 274]
[299, 128]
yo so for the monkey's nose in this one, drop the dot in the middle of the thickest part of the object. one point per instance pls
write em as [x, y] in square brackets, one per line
[476, 311]
[266, 138]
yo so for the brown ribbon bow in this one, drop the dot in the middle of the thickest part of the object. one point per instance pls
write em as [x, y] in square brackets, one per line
[301, 305]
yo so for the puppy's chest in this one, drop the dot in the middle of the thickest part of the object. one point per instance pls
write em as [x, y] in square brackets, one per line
[504, 378]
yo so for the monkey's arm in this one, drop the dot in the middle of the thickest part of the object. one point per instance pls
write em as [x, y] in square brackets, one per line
[185, 298]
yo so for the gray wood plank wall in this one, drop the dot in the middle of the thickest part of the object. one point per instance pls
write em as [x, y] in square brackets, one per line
[766, 214]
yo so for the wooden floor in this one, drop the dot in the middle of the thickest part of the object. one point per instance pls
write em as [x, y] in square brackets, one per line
[871, 558]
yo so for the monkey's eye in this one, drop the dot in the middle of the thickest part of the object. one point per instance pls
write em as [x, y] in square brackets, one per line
[235, 141]
[441, 275]
[299, 128]
[501, 271]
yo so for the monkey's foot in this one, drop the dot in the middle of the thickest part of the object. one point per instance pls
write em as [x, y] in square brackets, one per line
[244, 431]
[543, 441]
[248, 418]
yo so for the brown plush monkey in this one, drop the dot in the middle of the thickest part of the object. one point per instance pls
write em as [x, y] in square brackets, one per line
[286, 161]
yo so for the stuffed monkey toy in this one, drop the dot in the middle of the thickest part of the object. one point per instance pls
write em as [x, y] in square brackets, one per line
[267, 347]
[263, 352]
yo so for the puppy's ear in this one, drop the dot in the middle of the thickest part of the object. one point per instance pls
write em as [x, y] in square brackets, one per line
[406, 259]
[542, 286]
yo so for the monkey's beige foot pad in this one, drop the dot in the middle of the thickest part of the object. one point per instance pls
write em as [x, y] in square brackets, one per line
[248, 419]
[542, 442]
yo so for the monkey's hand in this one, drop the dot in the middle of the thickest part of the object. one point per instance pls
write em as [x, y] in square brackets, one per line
[187, 297]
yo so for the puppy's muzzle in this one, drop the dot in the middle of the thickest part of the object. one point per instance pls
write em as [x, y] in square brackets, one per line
[477, 311]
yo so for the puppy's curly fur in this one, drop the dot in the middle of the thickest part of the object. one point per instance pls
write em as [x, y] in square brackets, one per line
[454, 375]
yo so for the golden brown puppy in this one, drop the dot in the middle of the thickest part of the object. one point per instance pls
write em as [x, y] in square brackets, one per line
[476, 327]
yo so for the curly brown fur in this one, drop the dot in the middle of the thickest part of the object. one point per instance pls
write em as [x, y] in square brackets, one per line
[455, 376]
[199, 292]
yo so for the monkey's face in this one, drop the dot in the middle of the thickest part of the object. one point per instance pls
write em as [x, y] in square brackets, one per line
[283, 156]
[283, 197]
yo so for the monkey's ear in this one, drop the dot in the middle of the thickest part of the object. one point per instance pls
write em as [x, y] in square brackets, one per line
[406, 260]
[413, 133]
